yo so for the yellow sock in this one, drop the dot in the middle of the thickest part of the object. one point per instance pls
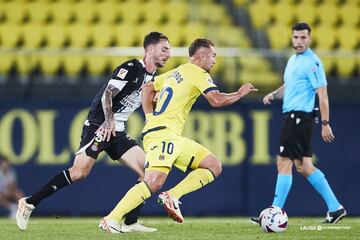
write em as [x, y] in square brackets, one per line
[133, 198]
[193, 181]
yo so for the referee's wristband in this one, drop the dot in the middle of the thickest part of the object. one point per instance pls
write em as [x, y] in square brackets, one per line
[148, 116]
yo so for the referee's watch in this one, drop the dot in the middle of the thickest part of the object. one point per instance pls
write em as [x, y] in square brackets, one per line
[324, 122]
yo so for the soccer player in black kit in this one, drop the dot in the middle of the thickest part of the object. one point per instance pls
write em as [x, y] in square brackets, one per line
[104, 130]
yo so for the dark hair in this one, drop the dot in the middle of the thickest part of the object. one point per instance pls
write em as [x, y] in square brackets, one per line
[198, 43]
[154, 38]
[301, 26]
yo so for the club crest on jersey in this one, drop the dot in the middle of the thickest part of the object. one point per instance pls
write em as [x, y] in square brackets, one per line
[161, 157]
[210, 80]
[95, 147]
[122, 73]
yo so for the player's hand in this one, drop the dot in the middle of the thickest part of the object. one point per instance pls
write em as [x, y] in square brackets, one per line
[327, 133]
[107, 129]
[245, 89]
[268, 98]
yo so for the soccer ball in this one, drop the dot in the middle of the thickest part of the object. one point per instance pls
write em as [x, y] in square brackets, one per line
[273, 219]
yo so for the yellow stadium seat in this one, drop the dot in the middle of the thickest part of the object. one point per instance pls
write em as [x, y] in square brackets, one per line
[7, 59]
[328, 14]
[102, 34]
[347, 37]
[350, 15]
[283, 12]
[231, 36]
[279, 36]
[306, 13]
[174, 32]
[25, 63]
[192, 31]
[50, 63]
[154, 12]
[33, 35]
[84, 11]
[56, 35]
[116, 61]
[73, 64]
[260, 13]
[131, 12]
[39, 11]
[10, 34]
[263, 79]
[177, 11]
[15, 11]
[213, 13]
[345, 65]
[96, 64]
[79, 35]
[125, 34]
[107, 12]
[255, 63]
[325, 37]
[61, 11]
[328, 62]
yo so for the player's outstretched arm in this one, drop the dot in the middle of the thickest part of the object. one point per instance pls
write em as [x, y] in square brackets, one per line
[148, 94]
[218, 99]
[108, 127]
[277, 94]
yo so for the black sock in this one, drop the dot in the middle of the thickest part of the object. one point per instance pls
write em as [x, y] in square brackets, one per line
[57, 182]
[133, 215]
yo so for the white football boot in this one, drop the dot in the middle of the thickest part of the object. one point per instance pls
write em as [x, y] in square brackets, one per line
[23, 213]
[109, 226]
[136, 227]
[171, 205]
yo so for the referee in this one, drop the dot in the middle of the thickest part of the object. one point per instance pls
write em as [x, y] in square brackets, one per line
[304, 77]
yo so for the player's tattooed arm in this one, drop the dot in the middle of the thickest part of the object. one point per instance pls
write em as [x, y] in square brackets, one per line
[108, 127]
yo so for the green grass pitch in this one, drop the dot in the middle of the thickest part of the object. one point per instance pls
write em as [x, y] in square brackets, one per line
[206, 228]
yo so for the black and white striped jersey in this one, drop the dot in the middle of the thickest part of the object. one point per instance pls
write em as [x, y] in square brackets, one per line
[128, 78]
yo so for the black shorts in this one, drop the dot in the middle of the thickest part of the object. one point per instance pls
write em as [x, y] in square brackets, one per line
[295, 137]
[115, 148]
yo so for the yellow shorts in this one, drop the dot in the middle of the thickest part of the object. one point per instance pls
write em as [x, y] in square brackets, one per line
[164, 148]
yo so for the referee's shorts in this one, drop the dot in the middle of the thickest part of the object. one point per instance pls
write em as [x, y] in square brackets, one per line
[295, 137]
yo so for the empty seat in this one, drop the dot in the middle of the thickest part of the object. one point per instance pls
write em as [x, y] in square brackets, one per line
[349, 14]
[50, 63]
[7, 60]
[15, 11]
[102, 34]
[306, 13]
[328, 62]
[39, 11]
[79, 35]
[283, 12]
[231, 36]
[347, 37]
[345, 65]
[73, 64]
[25, 63]
[10, 34]
[260, 13]
[192, 31]
[125, 34]
[84, 11]
[107, 12]
[325, 37]
[131, 12]
[177, 11]
[33, 35]
[279, 36]
[55, 35]
[213, 13]
[61, 11]
[154, 12]
[328, 14]
[96, 64]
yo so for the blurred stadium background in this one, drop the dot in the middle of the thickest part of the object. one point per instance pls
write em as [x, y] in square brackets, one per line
[54, 56]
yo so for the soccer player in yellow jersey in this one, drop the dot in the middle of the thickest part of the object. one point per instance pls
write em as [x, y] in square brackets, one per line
[164, 146]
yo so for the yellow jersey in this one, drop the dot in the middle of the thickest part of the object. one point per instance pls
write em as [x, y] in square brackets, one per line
[179, 88]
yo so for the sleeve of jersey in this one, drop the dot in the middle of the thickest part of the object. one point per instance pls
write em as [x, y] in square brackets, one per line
[205, 83]
[121, 76]
[317, 75]
[159, 82]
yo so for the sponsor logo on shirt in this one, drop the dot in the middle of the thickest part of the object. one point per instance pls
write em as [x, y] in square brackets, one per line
[122, 73]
